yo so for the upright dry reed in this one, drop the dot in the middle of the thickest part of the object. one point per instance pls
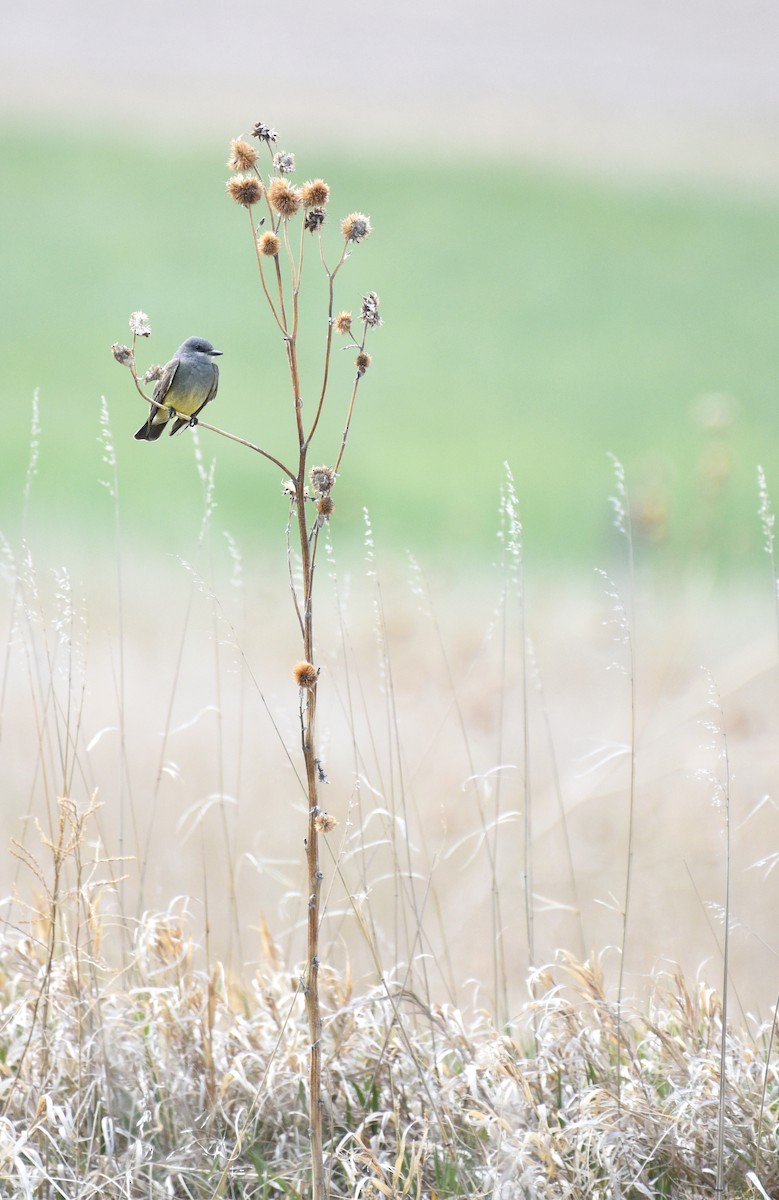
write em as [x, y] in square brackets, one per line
[294, 216]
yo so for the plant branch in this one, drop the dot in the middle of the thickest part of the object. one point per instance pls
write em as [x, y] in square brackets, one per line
[259, 256]
[348, 423]
[233, 437]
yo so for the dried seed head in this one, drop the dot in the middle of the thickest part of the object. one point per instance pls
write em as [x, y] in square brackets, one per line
[322, 479]
[242, 155]
[139, 324]
[305, 674]
[324, 822]
[289, 490]
[362, 362]
[343, 322]
[315, 193]
[153, 374]
[356, 227]
[325, 506]
[264, 133]
[245, 189]
[315, 219]
[283, 162]
[123, 354]
[283, 197]
[369, 312]
[269, 245]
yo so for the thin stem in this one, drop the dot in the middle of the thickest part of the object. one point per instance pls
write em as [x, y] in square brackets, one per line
[313, 1007]
[281, 293]
[293, 370]
[243, 442]
[265, 194]
[259, 256]
[719, 1189]
[357, 379]
[293, 589]
[348, 423]
[527, 789]
[630, 844]
[139, 389]
[621, 505]
[328, 351]
[300, 256]
[223, 433]
[331, 276]
[308, 623]
[294, 281]
[341, 260]
[314, 873]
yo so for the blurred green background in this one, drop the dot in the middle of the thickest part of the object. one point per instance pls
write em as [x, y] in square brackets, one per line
[540, 309]
[529, 318]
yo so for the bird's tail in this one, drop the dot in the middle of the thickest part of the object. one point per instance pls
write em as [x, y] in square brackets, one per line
[150, 432]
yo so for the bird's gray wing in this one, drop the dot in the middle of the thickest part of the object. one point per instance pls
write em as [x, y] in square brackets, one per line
[162, 386]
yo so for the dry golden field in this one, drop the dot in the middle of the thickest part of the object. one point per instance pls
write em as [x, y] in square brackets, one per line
[463, 770]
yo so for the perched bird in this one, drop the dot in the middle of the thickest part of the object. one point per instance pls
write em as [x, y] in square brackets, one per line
[187, 384]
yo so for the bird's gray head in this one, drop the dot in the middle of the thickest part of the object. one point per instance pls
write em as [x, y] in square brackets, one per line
[197, 345]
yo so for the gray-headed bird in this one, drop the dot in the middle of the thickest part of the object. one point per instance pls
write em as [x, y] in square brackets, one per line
[187, 384]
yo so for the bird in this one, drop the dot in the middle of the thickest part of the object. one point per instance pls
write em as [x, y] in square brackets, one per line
[186, 385]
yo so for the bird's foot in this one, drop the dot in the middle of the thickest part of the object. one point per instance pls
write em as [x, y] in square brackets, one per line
[172, 414]
[193, 421]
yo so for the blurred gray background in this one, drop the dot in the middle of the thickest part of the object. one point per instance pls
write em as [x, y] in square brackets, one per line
[683, 88]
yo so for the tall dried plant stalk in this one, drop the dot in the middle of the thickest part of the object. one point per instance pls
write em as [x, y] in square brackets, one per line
[294, 214]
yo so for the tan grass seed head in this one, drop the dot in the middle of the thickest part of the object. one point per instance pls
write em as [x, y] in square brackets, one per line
[356, 227]
[343, 322]
[246, 190]
[305, 674]
[269, 244]
[242, 156]
[315, 193]
[283, 197]
[325, 507]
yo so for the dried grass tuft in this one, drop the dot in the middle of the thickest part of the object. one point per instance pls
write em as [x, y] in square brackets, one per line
[164, 1079]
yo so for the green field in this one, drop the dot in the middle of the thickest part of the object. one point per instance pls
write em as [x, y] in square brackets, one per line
[531, 318]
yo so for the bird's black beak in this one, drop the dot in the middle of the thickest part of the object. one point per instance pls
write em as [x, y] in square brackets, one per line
[215, 353]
